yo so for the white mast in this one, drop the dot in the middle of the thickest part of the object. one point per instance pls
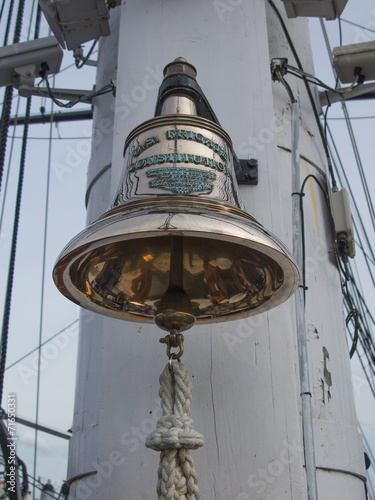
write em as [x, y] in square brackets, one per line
[246, 398]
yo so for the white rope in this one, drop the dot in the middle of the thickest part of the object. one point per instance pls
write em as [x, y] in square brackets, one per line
[174, 436]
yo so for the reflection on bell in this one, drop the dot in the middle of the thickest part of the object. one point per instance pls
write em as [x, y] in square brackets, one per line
[176, 245]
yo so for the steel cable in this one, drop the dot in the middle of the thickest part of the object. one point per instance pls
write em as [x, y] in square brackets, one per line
[5, 115]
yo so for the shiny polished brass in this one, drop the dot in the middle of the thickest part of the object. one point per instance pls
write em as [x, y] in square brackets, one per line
[179, 343]
[176, 245]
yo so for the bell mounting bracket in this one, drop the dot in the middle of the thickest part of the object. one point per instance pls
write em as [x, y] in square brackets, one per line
[246, 170]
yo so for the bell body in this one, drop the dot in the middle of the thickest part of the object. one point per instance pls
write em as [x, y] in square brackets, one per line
[178, 155]
[178, 184]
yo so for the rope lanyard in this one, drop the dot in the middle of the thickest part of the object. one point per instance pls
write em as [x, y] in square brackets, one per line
[174, 435]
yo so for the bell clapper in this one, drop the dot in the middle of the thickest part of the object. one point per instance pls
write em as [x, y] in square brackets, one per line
[175, 311]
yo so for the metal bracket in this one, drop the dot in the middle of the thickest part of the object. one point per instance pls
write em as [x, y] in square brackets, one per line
[278, 66]
[365, 91]
[247, 173]
[246, 170]
[67, 94]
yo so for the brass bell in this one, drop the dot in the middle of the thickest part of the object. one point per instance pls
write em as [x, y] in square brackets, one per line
[176, 245]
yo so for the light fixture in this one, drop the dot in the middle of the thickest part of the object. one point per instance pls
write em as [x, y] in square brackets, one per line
[352, 61]
[330, 9]
[176, 245]
[75, 22]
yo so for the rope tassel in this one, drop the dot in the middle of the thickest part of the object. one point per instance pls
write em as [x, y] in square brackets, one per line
[174, 436]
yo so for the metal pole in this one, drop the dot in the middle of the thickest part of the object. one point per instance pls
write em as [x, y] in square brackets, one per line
[307, 420]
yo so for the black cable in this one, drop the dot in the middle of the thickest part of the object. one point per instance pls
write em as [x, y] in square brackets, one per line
[353, 315]
[9, 21]
[311, 98]
[80, 65]
[326, 199]
[325, 119]
[316, 81]
[87, 98]
[362, 334]
[355, 302]
[25, 481]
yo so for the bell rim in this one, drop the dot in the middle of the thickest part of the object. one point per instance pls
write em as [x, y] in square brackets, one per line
[268, 245]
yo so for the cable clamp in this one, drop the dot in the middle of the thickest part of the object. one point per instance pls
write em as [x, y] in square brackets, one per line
[278, 67]
[298, 194]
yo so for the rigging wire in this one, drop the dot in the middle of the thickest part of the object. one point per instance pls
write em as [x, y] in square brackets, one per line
[364, 252]
[358, 25]
[78, 138]
[353, 200]
[42, 288]
[10, 156]
[354, 300]
[41, 345]
[359, 165]
[351, 134]
[9, 288]
[7, 106]
[352, 118]
[30, 17]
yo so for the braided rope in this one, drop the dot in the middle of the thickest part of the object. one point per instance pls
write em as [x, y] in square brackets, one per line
[174, 436]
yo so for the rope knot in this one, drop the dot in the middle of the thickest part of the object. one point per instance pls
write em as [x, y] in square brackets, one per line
[174, 432]
[174, 436]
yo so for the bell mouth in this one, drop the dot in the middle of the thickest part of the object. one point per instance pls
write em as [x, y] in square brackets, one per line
[232, 267]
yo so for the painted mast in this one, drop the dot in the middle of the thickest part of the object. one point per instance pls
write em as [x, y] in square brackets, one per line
[246, 398]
